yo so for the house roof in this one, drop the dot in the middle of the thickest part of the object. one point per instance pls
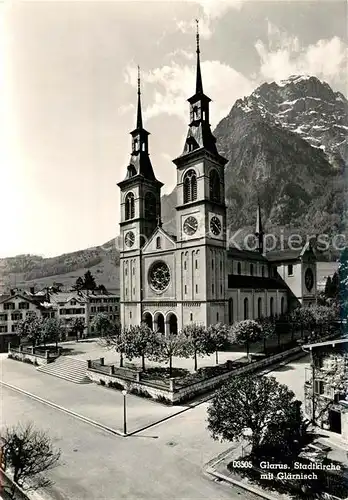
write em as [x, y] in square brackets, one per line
[67, 296]
[240, 281]
[327, 342]
[16, 296]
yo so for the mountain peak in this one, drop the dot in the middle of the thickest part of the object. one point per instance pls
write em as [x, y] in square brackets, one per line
[306, 106]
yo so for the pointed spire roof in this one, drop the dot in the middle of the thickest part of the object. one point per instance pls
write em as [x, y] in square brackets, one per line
[139, 113]
[140, 163]
[258, 229]
[199, 84]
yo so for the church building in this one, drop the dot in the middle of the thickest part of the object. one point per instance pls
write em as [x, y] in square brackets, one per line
[171, 280]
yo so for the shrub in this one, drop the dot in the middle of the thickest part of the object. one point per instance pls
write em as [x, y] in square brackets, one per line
[140, 392]
[115, 385]
[164, 400]
[102, 382]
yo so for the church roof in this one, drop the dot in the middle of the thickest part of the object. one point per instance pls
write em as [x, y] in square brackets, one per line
[240, 281]
[280, 255]
[236, 253]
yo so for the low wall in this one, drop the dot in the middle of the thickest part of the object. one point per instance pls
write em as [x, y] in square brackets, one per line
[172, 390]
[30, 355]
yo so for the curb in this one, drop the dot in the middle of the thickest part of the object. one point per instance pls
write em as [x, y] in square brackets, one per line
[240, 484]
[64, 410]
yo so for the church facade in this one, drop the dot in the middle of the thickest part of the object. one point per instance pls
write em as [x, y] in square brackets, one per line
[171, 280]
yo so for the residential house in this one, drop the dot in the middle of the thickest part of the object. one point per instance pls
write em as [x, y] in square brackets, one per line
[326, 385]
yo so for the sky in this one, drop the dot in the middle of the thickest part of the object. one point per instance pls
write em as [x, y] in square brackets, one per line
[68, 94]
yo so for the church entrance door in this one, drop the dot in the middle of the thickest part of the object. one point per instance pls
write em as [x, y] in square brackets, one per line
[173, 324]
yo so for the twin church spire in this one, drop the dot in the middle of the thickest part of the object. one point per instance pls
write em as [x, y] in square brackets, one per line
[199, 84]
[139, 113]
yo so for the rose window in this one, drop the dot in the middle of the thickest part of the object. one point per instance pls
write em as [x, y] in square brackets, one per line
[159, 276]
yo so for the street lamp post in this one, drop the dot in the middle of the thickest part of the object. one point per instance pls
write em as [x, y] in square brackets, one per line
[124, 393]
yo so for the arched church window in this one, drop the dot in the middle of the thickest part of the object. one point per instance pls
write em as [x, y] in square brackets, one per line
[150, 206]
[251, 270]
[214, 185]
[129, 203]
[158, 242]
[190, 186]
[282, 305]
[230, 311]
[271, 307]
[246, 308]
[259, 307]
[239, 268]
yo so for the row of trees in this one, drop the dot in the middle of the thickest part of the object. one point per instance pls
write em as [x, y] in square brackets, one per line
[41, 331]
[196, 340]
[142, 342]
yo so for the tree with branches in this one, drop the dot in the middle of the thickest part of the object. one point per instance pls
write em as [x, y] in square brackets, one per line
[145, 342]
[101, 324]
[198, 342]
[267, 330]
[245, 333]
[77, 327]
[30, 329]
[118, 338]
[260, 404]
[52, 330]
[169, 346]
[28, 453]
[218, 334]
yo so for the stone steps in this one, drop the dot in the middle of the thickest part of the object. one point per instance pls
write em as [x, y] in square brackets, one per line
[67, 368]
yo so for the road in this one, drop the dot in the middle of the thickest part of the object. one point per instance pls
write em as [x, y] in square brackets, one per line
[164, 462]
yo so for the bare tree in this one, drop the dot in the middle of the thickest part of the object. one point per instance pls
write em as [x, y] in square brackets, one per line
[27, 453]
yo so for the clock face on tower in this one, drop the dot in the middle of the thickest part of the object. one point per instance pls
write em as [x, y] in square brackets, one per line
[215, 225]
[129, 239]
[309, 279]
[190, 225]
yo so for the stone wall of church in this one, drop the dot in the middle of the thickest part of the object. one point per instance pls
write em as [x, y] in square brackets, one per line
[254, 304]
[291, 273]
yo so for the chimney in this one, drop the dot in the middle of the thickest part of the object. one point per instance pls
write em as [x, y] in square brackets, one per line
[12, 292]
[32, 290]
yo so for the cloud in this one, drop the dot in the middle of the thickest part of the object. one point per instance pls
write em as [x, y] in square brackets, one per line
[172, 84]
[212, 10]
[283, 56]
[205, 29]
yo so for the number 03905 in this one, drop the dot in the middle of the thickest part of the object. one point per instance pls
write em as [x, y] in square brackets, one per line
[242, 464]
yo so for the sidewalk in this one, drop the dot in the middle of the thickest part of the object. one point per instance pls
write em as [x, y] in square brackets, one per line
[100, 404]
